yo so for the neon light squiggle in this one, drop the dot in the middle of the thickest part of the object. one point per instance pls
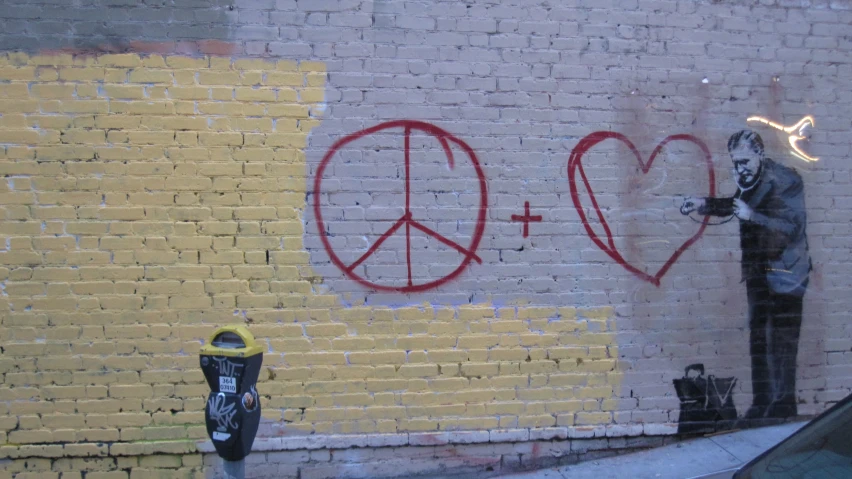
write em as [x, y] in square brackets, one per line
[794, 138]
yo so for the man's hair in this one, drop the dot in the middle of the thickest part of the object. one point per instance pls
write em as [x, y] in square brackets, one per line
[748, 137]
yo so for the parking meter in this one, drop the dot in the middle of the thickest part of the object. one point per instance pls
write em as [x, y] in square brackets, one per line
[231, 363]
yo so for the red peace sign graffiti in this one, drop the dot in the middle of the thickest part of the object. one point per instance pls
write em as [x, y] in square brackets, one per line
[407, 219]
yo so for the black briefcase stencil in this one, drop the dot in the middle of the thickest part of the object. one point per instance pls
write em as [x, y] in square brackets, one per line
[704, 401]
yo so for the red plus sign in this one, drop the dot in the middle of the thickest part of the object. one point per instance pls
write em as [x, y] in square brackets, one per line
[527, 218]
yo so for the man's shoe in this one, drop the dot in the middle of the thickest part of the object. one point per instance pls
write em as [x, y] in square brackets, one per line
[756, 412]
[781, 410]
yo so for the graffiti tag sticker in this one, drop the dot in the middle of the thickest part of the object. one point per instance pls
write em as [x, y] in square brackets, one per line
[223, 412]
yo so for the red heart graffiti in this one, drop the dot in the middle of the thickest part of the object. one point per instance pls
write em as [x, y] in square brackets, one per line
[575, 165]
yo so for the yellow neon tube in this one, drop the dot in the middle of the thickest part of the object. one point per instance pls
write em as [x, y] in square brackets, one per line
[794, 138]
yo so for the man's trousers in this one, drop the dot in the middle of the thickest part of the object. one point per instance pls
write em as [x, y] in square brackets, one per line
[775, 321]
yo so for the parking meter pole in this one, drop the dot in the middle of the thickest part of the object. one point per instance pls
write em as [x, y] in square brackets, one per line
[235, 469]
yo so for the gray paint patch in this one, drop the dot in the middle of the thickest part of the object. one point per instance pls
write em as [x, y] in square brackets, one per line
[38, 25]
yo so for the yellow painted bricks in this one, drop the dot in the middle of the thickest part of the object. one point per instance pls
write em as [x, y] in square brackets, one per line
[146, 200]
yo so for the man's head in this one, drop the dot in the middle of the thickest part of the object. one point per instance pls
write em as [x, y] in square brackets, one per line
[746, 150]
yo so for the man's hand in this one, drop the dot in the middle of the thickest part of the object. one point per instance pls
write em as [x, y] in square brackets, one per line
[742, 210]
[691, 204]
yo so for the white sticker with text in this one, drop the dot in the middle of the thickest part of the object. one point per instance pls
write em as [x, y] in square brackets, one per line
[227, 385]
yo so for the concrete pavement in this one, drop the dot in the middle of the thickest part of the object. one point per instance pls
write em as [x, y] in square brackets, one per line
[682, 460]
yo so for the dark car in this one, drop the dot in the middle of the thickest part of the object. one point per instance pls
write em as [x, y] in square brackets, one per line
[822, 449]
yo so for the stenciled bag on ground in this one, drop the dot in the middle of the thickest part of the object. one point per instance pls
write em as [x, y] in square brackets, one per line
[704, 401]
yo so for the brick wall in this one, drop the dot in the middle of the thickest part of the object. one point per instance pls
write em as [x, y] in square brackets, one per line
[163, 181]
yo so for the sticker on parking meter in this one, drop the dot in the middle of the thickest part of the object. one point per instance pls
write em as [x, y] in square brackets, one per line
[227, 385]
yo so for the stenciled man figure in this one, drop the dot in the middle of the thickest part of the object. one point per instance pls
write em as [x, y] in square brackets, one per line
[770, 204]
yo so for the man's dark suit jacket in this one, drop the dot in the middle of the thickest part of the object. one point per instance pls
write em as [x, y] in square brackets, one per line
[774, 244]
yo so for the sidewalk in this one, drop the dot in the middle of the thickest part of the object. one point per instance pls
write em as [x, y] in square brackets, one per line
[676, 461]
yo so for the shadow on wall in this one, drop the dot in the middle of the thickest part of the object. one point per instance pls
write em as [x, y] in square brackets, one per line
[111, 25]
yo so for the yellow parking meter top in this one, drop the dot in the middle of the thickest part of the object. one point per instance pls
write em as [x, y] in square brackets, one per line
[233, 341]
